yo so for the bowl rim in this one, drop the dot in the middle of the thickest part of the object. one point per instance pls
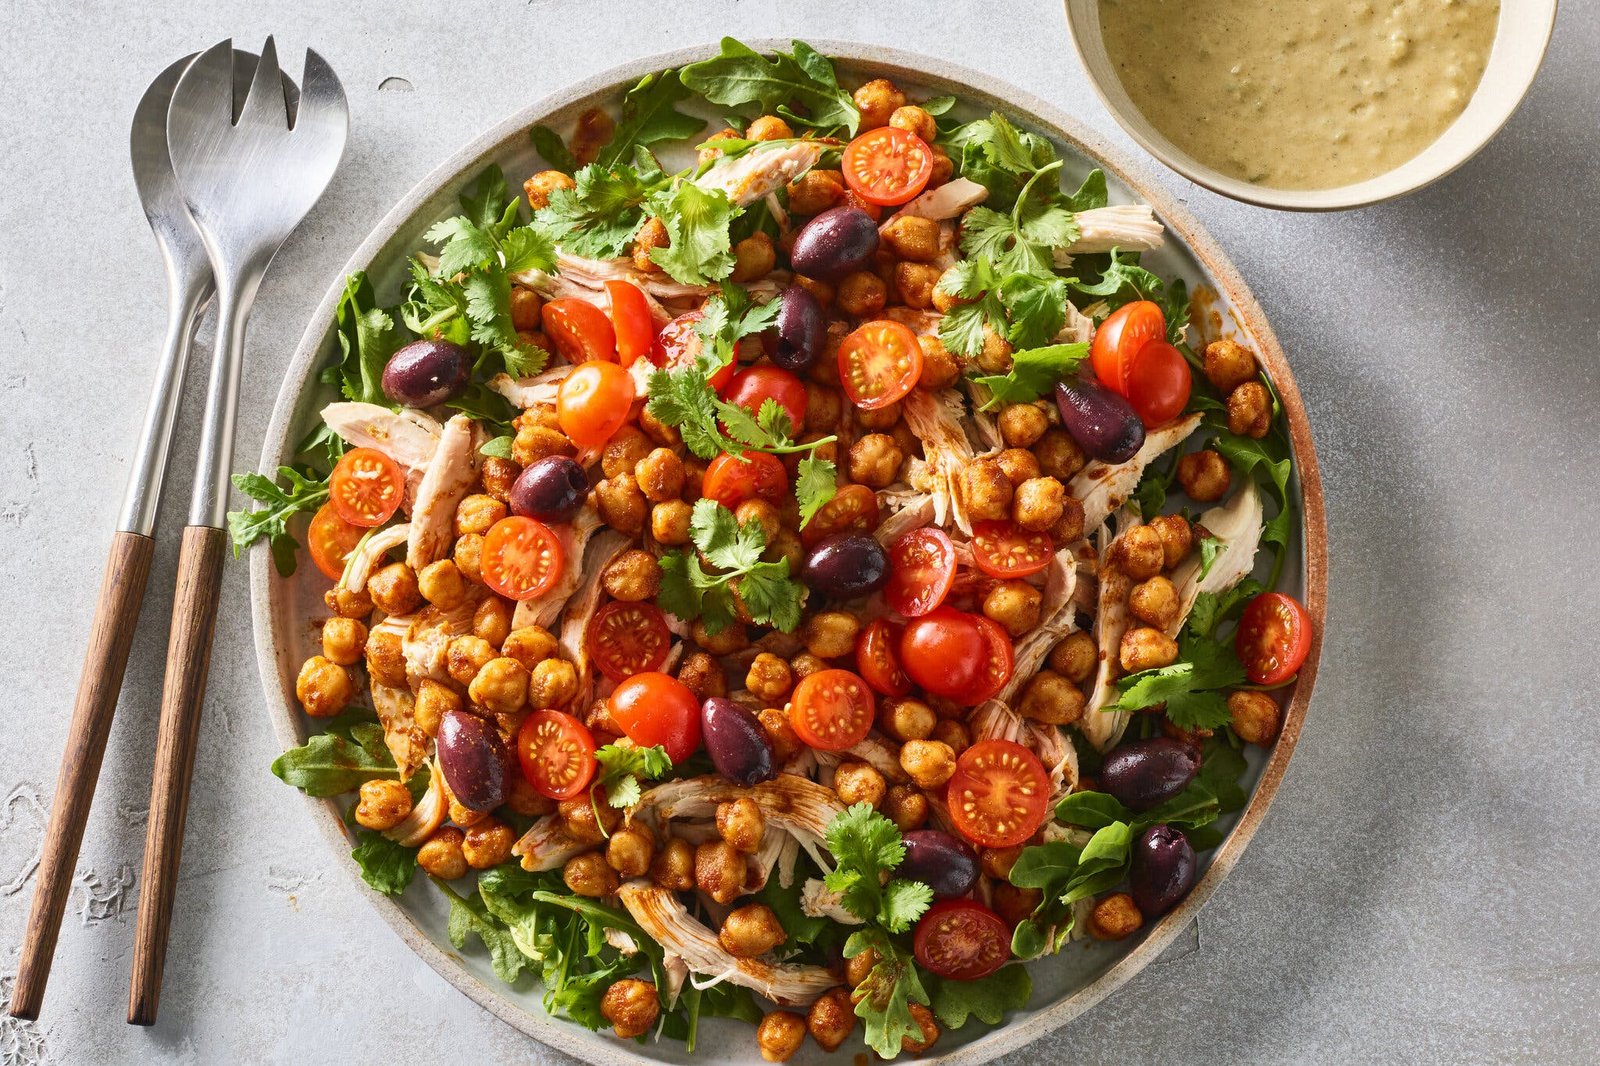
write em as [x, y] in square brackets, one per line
[1169, 156]
[279, 444]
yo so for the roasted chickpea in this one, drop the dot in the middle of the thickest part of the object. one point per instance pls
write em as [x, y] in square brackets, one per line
[590, 875]
[534, 442]
[1018, 464]
[780, 1034]
[1052, 699]
[622, 506]
[434, 701]
[914, 119]
[552, 683]
[630, 851]
[498, 475]
[905, 805]
[719, 870]
[875, 460]
[659, 475]
[501, 687]
[769, 678]
[488, 843]
[652, 235]
[468, 556]
[624, 451]
[1250, 410]
[753, 258]
[740, 823]
[477, 513]
[702, 675]
[768, 128]
[997, 862]
[786, 545]
[440, 855]
[1013, 903]
[1059, 455]
[673, 866]
[913, 286]
[831, 634]
[832, 1017]
[822, 290]
[815, 191]
[858, 782]
[1204, 475]
[762, 513]
[940, 369]
[986, 489]
[862, 294]
[525, 800]
[1176, 538]
[927, 762]
[953, 734]
[530, 645]
[750, 931]
[1022, 424]
[1016, 605]
[632, 576]
[669, 522]
[1228, 365]
[525, 307]
[1039, 503]
[879, 419]
[1144, 648]
[725, 641]
[658, 431]
[343, 640]
[462, 815]
[384, 805]
[1115, 917]
[394, 589]
[386, 661]
[944, 294]
[539, 187]
[930, 1030]
[491, 620]
[943, 168]
[1138, 553]
[324, 687]
[786, 743]
[877, 101]
[906, 719]
[1069, 527]
[348, 603]
[631, 1006]
[1075, 657]
[442, 585]
[912, 237]
[859, 967]
[1255, 716]
[578, 819]
[1154, 602]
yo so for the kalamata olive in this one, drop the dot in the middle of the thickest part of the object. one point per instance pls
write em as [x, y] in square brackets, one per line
[1104, 424]
[473, 758]
[739, 748]
[834, 243]
[550, 489]
[1146, 773]
[846, 565]
[940, 861]
[426, 373]
[1163, 870]
[802, 328]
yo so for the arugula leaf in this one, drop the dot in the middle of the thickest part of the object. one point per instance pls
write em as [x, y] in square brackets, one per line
[867, 847]
[1267, 460]
[600, 216]
[740, 75]
[367, 338]
[385, 865]
[490, 409]
[1033, 373]
[1189, 687]
[884, 997]
[816, 482]
[1221, 770]
[1151, 492]
[552, 149]
[650, 114]
[988, 998]
[621, 768]
[700, 248]
[300, 493]
[350, 752]
[689, 591]
[785, 903]
[497, 447]
[471, 916]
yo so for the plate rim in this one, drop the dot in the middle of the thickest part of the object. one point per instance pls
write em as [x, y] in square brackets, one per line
[278, 445]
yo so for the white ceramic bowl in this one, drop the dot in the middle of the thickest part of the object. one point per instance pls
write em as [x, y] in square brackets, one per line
[1521, 37]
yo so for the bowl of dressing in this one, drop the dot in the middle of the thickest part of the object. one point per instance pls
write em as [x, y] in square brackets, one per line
[1312, 105]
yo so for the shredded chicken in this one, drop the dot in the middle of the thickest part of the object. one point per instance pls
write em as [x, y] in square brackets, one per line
[793, 804]
[429, 814]
[950, 200]
[1130, 227]
[994, 720]
[373, 546]
[1103, 487]
[450, 473]
[545, 608]
[908, 510]
[581, 607]
[408, 437]
[547, 845]
[936, 420]
[762, 170]
[1237, 524]
[1104, 728]
[530, 392]
[1057, 618]
[426, 641]
[816, 901]
[397, 711]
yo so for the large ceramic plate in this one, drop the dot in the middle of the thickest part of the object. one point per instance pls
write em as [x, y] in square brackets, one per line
[284, 610]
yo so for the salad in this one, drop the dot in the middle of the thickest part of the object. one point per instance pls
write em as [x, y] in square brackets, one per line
[801, 586]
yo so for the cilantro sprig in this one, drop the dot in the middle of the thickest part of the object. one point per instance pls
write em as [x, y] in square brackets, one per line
[1033, 373]
[623, 766]
[867, 848]
[1192, 688]
[599, 217]
[733, 552]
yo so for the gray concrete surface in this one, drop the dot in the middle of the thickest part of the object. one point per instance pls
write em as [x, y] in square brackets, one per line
[1423, 889]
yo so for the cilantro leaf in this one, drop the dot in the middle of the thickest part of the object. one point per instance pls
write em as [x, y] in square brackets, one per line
[988, 998]
[816, 482]
[385, 864]
[1033, 373]
[650, 114]
[699, 249]
[884, 997]
[997, 155]
[740, 75]
[1023, 241]
[1212, 608]
[599, 217]
[728, 318]
[623, 766]
[1189, 687]
[1026, 309]
[271, 523]
[1122, 280]
[765, 590]
[866, 847]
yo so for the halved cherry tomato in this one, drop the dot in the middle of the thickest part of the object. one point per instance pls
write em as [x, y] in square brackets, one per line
[557, 754]
[1005, 549]
[998, 794]
[962, 940]
[579, 330]
[879, 363]
[753, 386]
[593, 402]
[875, 658]
[998, 661]
[520, 557]
[1117, 339]
[630, 319]
[1274, 638]
[733, 479]
[831, 710]
[922, 567]
[331, 540]
[628, 638]
[652, 708]
[853, 509]
[1158, 383]
[679, 345]
[887, 165]
[944, 651]
[366, 487]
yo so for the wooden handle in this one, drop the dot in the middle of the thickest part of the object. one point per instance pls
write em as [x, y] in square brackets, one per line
[194, 618]
[116, 614]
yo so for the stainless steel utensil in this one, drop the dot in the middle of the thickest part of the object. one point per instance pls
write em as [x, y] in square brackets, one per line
[248, 182]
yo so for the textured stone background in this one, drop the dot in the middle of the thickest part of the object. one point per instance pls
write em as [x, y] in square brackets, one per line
[1422, 889]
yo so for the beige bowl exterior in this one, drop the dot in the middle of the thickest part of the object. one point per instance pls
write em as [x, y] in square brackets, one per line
[1521, 37]
[283, 609]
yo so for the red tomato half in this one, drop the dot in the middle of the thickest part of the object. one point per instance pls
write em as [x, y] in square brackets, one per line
[520, 557]
[754, 386]
[879, 363]
[679, 345]
[876, 658]
[593, 402]
[887, 165]
[1158, 383]
[944, 651]
[1274, 638]
[630, 318]
[653, 709]
[557, 754]
[628, 638]
[1117, 339]
[331, 540]
[732, 479]
[998, 661]
[922, 567]
[831, 710]
[853, 509]
[366, 487]
[962, 940]
[1004, 549]
[999, 794]
[579, 330]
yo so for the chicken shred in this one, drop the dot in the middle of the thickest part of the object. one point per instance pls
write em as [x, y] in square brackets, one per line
[1103, 487]
[761, 171]
[450, 473]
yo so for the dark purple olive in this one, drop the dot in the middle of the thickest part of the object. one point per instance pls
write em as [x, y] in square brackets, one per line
[846, 565]
[835, 243]
[1104, 424]
[1163, 870]
[426, 373]
[473, 759]
[802, 328]
[1146, 773]
[739, 748]
[551, 489]
[940, 861]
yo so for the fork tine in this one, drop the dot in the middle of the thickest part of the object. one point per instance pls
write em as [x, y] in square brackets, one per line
[322, 99]
[206, 86]
[266, 103]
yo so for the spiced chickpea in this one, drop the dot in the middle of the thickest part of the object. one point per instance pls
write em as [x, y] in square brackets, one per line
[383, 805]
[622, 506]
[658, 431]
[488, 843]
[815, 191]
[673, 866]
[1015, 604]
[1254, 715]
[1059, 455]
[943, 167]
[780, 1035]
[725, 641]
[1204, 475]
[1145, 648]
[386, 660]
[753, 258]
[1038, 503]
[703, 676]
[906, 719]
[526, 801]
[997, 862]
[832, 1017]
[323, 687]
[858, 782]
[1014, 904]
[530, 645]
[786, 545]
[786, 743]
[822, 290]
[879, 419]
[468, 556]
[1228, 364]
[498, 475]
[632, 576]
[805, 664]
[930, 1030]
[953, 734]
[669, 522]
[750, 931]
[477, 513]
[534, 442]
[830, 634]
[464, 816]
[740, 823]
[824, 407]
[394, 589]
[623, 452]
[434, 701]
[1176, 538]
[539, 187]
[440, 855]
[905, 806]
[1138, 553]
[913, 285]
[769, 678]
[552, 683]
[442, 584]
[1070, 526]
[1022, 424]
[348, 603]
[590, 875]
[862, 294]
[768, 128]
[940, 369]
[525, 307]
[650, 236]
[719, 870]
[944, 294]
[1250, 410]
[1154, 602]
[631, 1006]
[986, 490]
[491, 620]
[1051, 699]
[501, 686]
[877, 101]
[762, 513]
[578, 818]
[914, 119]
[995, 356]
[912, 237]
[1018, 464]
[630, 851]
[859, 967]
[1075, 657]
[1115, 917]
[875, 460]
[343, 640]
[927, 762]
[659, 475]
